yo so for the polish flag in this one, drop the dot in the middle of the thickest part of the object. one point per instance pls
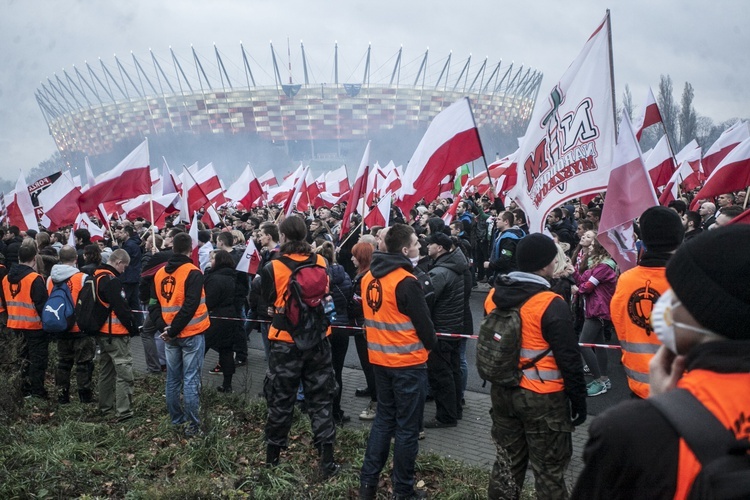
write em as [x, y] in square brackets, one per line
[451, 140]
[21, 210]
[90, 178]
[130, 178]
[650, 116]
[83, 222]
[687, 174]
[337, 181]
[250, 259]
[308, 193]
[660, 164]
[392, 182]
[357, 191]
[296, 192]
[727, 141]
[210, 184]
[163, 205]
[60, 202]
[731, 174]
[277, 195]
[374, 180]
[268, 180]
[743, 218]
[450, 214]
[629, 194]
[380, 215]
[196, 242]
[246, 190]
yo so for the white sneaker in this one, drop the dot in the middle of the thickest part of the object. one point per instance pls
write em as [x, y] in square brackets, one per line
[369, 412]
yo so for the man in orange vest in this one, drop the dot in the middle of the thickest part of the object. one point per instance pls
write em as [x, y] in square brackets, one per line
[73, 347]
[702, 321]
[24, 296]
[637, 291]
[400, 335]
[288, 365]
[115, 362]
[180, 313]
[534, 421]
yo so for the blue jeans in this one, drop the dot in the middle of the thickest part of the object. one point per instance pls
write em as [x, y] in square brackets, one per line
[184, 365]
[401, 397]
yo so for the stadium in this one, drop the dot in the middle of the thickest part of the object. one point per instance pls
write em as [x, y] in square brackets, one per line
[275, 111]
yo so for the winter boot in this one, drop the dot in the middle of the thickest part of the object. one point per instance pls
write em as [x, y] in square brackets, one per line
[367, 492]
[328, 468]
[272, 455]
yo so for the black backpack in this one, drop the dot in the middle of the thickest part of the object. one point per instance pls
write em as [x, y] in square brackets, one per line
[725, 460]
[303, 314]
[90, 312]
[499, 348]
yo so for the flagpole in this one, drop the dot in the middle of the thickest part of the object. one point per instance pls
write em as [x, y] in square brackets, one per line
[747, 194]
[153, 222]
[352, 232]
[479, 140]
[612, 72]
[210, 203]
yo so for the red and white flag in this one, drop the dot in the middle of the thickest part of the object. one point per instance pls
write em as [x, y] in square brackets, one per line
[268, 180]
[567, 150]
[142, 207]
[246, 190]
[296, 192]
[21, 210]
[660, 164]
[731, 174]
[250, 259]
[130, 178]
[687, 174]
[60, 203]
[90, 178]
[83, 222]
[357, 191]
[727, 141]
[196, 242]
[650, 116]
[278, 195]
[380, 215]
[629, 194]
[451, 140]
[449, 214]
[337, 181]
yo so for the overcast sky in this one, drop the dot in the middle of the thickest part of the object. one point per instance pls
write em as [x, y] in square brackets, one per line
[692, 40]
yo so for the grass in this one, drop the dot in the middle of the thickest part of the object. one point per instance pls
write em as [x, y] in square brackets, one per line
[68, 451]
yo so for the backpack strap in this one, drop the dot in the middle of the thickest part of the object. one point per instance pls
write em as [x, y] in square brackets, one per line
[703, 432]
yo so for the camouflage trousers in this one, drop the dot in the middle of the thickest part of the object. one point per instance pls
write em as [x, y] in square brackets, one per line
[80, 352]
[287, 367]
[530, 428]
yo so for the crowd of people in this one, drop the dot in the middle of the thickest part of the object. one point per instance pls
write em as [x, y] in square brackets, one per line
[400, 284]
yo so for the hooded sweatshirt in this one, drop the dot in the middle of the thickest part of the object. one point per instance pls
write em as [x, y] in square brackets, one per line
[38, 288]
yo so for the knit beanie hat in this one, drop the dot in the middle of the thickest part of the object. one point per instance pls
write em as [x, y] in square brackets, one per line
[661, 229]
[535, 252]
[707, 275]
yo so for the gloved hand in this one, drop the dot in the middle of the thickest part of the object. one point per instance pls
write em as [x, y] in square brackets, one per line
[578, 412]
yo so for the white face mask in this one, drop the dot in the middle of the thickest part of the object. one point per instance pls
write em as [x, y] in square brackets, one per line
[663, 323]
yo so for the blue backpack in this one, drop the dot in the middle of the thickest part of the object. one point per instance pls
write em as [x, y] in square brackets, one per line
[58, 315]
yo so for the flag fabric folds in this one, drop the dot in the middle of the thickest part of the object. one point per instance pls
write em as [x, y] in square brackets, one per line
[60, 203]
[21, 210]
[567, 150]
[629, 194]
[731, 174]
[451, 140]
[650, 116]
[246, 190]
[130, 178]
[380, 215]
[250, 259]
[727, 141]
[357, 191]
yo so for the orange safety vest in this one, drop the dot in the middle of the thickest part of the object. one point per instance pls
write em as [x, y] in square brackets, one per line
[113, 325]
[75, 284]
[544, 377]
[22, 313]
[3, 272]
[724, 395]
[637, 291]
[281, 275]
[489, 304]
[170, 292]
[392, 340]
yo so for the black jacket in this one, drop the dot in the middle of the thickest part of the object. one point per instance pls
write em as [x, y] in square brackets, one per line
[222, 302]
[38, 286]
[110, 291]
[447, 273]
[132, 273]
[633, 451]
[409, 295]
[154, 262]
[341, 291]
[193, 290]
[557, 330]
[11, 251]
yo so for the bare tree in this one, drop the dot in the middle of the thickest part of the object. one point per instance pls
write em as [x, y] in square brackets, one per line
[668, 107]
[627, 102]
[688, 117]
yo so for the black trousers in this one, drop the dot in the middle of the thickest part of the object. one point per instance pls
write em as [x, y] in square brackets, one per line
[339, 340]
[444, 373]
[360, 342]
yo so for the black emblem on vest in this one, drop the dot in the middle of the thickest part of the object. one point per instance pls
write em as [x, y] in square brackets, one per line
[167, 287]
[374, 295]
[640, 305]
[15, 289]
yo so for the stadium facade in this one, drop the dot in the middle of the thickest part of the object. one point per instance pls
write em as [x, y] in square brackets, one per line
[102, 109]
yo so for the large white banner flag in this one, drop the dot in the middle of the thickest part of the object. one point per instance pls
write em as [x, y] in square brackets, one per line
[567, 150]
